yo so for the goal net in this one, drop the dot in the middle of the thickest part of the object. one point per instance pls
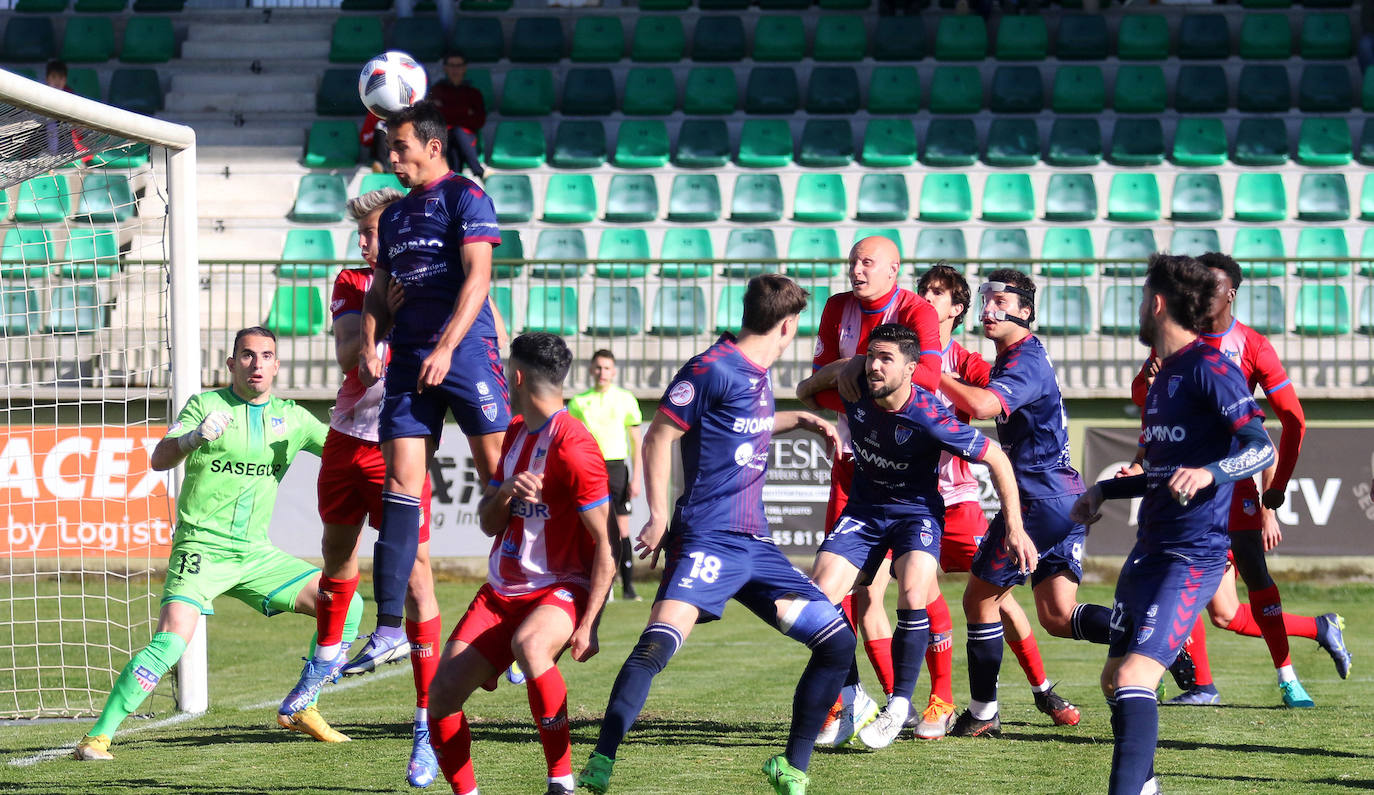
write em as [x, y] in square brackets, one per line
[96, 243]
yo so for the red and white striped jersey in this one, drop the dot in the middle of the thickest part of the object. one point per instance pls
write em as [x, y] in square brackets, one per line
[957, 483]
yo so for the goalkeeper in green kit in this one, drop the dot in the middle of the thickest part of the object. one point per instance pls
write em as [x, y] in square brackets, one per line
[237, 443]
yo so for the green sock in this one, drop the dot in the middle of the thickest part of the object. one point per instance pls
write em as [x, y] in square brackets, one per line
[138, 679]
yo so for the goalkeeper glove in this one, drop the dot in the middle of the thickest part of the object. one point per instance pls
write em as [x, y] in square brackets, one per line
[210, 429]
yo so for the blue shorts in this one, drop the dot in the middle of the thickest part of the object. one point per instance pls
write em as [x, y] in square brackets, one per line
[707, 569]
[1057, 538]
[474, 390]
[1158, 599]
[864, 536]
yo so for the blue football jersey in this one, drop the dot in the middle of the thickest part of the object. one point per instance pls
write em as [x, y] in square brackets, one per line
[724, 402]
[1033, 426]
[420, 241]
[1198, 400]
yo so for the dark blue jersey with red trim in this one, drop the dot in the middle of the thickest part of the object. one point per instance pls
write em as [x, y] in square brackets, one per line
[1033, 426]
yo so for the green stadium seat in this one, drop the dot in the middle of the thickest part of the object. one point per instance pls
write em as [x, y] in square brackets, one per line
[658, 39]
[1024, 38]
[694, 198]
[678, 312]
[1366, 155]
[76, 308]
[1260, 306]
[779, 38]
[771, 90]
[1252, 245]
[1193, 242]
[1265, 37]
[418, 36]
[730, 308]
[814, 253]
[750, 244]
[641, 143]
[512, 247]
[1260, 197]
[826, 143]
[480, 79]
[1133, 197]
[1137, 142]
[536, 40]
[99, 6]
[1325, 88]
[140, 91]
[25, 253]
[809, 321]
[961, 38]
[757, 198]
[1016, 89]
[559, 244]
[616, 311]
[1012, 143]
[899, 39]
[1071, 197]
[1121, 307]
[883, 197]
[687, 244]
[1065, 309]
[337, 94]
[765, 143]
[1367, 199]
[1204, 37]
[702, 143]
[632, 198]
[1005, 248]
[1135, 245]
[1197, 197]
[1317, 241]
[1199, 142]
[832, 89]
[1263, 88]
[1366, 311]
[296, 311]
[839, 38]
[956, 89]
[1323, 197]
[889, 143]
[945, 197]
[1367, 89]
[513, 197]
[895, 89]
[665, 5]
[1075, 142]
[528, 92]
[718, 38]
[649, 91]
[891, 233]
[1261, 142]
[1326, 37]
[1143, 37]
[951, 142]
[86, 83]
[88, 40]
[320, 198]
[579, 144]
[710, 91]
[568, 199]
[1324, 142]
[107, 198]
[1008, 198]
[158, 6]
[43, 199]
[597, 39]
[29, 39]
[40, 6]
[618, 245]
[1203, 88]
[1063, 244]
[355, 39]
[1323, 310]
[1082, 37]
[588, 91]
[1140, 88]
[503, 304]
[91, 253]
[518, 144]
[1079, 89]
[19, 310]
[371, 182]
[479, 39]
[306, 254]
[820, 198]
[934, 244]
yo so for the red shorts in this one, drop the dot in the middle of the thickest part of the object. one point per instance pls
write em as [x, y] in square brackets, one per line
[965, 526]
[492, 619]
[841, 475]
[352, 473]
[1245, 507]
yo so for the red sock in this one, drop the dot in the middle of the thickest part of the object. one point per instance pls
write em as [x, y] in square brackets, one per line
[940, 652]
[549, 706]
[424, 655]
[1243, 623]
[1027, 653]
[847, 605]
[880, 655]
[1197, 648]
[452, 742]
[331, 608]
[1267, 610]
[1300, 626]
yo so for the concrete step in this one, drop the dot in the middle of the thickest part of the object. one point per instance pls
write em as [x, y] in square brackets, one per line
[251, 50]
[254, 30]
[240, 101]
[217, 82]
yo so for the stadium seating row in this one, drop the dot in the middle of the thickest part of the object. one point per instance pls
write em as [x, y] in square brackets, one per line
[61, 308]
[100, 6]
[103, 198]
[89, 40]
[33, 252]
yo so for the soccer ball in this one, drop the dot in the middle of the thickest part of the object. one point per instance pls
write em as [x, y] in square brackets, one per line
[391, 82]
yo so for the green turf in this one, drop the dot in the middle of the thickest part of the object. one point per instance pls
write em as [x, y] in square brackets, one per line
[720, 710]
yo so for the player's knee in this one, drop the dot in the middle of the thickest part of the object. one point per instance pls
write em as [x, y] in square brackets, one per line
[1108, 682]
[657, 645]
[819, 625]
[1057, 622]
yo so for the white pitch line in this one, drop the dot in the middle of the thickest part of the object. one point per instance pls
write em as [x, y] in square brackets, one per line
[348, 685]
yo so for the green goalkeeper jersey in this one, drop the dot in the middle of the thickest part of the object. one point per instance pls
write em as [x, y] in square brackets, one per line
[231, 483]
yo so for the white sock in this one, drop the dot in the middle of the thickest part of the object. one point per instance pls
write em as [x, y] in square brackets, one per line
[1286, 674]
[1042, 687]
[327, 653]
[421, 716]
[566, 781]
[982, 710]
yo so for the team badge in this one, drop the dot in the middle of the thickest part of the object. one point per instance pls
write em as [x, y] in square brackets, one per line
[682, 393]
[422, 650]
[902, 434]
[1174, 381]
[744, 454]
[279, 425]
[489, 411]
[1248, 506]
[431, 206]
[146, 678]
[483, 389]
[927, 538]
[564, 594]
[1144, 635]
[1153, 611]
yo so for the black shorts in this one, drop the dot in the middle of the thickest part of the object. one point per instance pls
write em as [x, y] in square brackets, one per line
[618, 482]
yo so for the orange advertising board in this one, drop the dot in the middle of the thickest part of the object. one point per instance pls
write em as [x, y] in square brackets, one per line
[66, 489]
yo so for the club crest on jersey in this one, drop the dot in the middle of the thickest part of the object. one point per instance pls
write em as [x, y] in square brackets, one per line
[1144, 635]
[1248, 506]
[927, 538]
[431, 206]
[279, 425]
[682, 393]
[489, 411]
[902, 434]
[1174, 381]
[483, 389]
[564, 594]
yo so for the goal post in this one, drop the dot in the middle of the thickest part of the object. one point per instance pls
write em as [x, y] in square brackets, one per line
[105, 347]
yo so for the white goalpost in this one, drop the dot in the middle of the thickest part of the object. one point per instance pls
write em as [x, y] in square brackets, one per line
[100, 317]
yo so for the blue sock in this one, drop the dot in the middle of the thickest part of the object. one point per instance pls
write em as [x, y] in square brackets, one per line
[909, 644]
[657, 645]
[394, 554]
[984, 660]
[832, 645]
[1092, 623]
[1137, 733]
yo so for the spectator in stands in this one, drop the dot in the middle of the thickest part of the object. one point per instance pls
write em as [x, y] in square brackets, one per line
[56, 75]
[373, 139]
[464, 112]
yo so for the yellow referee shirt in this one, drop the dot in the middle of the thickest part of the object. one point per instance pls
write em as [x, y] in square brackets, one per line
[607, 415]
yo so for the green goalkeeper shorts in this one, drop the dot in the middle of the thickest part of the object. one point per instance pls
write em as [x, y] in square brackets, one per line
[261, 576]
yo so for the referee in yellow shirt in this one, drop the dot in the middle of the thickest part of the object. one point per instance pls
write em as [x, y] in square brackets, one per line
[612, 415]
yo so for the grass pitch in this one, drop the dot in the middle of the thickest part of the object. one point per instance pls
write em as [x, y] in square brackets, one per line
[718, 711]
